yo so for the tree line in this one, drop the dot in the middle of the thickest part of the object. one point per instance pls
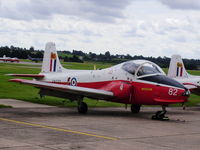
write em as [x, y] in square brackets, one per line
[80, 56]
[21, 53]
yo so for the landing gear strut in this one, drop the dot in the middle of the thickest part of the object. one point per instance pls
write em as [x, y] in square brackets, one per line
[135, 108]
[82, 107]
[160, 115]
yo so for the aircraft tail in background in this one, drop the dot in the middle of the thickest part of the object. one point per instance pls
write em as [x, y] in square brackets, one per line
[51, 62]
[177, 68]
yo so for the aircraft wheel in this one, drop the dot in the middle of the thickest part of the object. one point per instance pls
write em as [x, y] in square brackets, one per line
[160, 115]
[135, 108]
[82, 108]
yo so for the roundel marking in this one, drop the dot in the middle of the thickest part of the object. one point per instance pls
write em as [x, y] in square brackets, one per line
[73, 81]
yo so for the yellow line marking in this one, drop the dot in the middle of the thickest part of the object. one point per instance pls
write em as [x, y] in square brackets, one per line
[58, 129]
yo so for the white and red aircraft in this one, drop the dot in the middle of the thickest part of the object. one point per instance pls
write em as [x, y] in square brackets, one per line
[137, 82]
[178, 72]
[5, 59]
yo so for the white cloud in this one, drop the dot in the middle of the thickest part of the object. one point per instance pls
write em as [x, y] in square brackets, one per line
[139, 27]
[182, 4]
[95, 10]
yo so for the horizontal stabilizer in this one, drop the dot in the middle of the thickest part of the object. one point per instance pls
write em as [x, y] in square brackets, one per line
[88, 92]
[190, 86]
[27, 75]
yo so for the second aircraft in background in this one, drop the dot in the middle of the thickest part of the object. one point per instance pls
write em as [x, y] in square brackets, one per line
[178, 72]
[8, 59]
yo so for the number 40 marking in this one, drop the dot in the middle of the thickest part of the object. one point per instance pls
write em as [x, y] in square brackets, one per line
[173, 91]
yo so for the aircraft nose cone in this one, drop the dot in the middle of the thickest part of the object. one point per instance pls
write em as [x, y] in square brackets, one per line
[186, 93]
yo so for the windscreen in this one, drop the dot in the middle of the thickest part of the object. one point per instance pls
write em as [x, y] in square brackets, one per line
[147, 69]
[130, 67]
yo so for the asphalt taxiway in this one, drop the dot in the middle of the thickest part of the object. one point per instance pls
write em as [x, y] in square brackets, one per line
[43, 128]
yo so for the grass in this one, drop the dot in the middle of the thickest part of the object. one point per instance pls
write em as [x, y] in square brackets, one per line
[5, 106]
[64, 54]
[193, 100]
[192, 72]
[27, 60]
[85, 65]
[29, 93]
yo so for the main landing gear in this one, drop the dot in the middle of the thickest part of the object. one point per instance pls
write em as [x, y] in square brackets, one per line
[135, 108]
[160, 115]
[82, 107]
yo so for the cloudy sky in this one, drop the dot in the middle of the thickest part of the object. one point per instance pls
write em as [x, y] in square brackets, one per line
[136, 27]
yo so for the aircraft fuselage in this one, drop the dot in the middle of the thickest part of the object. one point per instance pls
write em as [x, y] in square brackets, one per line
[127, 88]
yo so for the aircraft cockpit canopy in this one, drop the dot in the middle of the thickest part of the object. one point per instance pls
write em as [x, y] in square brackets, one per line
[130, 67]
[141, 68]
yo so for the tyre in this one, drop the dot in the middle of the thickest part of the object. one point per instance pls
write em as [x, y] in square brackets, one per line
[135, 108]
[82, 108]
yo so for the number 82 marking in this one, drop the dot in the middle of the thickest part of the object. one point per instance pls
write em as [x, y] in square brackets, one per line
[173, 91]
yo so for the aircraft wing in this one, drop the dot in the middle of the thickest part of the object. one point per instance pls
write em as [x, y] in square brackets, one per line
[27, 75]
[74, 90]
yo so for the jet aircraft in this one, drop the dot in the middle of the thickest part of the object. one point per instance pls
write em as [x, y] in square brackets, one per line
[178, 72]
[6, 59]
[34, 59]
[136, 82]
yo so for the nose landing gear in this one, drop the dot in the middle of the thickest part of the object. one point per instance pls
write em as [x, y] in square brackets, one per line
[160, 115]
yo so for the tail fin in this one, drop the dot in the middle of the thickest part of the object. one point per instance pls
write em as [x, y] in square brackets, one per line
[177, 68]
[51, 62]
